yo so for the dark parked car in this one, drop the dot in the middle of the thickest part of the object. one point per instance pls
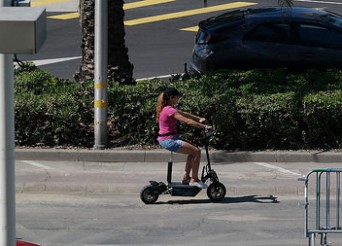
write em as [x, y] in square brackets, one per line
[297, 38]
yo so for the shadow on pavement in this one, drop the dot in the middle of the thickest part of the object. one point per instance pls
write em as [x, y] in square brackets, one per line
[252, 198]
[241, 199]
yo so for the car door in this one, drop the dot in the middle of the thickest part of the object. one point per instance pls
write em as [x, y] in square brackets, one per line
[318, 46]
[269, 45]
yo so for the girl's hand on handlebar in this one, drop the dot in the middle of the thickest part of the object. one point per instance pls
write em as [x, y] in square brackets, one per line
[208, 128]
[202, 120]
[208, 131]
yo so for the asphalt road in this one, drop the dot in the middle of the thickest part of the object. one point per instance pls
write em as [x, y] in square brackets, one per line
[97, 203]
[155, 48]
[56, 220]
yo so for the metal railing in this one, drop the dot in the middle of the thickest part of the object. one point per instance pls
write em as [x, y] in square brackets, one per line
[323, 215]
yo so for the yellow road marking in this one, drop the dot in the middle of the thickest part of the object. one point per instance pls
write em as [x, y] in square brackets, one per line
[145, 3]
[126, 6]
[65, 16]
[186, 13]
[190, 29]
[47, 2]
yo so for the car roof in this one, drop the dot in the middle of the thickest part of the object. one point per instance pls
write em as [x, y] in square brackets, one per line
[256, 15]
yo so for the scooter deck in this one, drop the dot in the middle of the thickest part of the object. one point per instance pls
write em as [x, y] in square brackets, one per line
[180, 189]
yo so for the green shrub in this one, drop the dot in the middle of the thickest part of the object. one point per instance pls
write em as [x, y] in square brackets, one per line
[270, 121]
[50, 112]
[131, 112]
[250, 110]
[323, 118]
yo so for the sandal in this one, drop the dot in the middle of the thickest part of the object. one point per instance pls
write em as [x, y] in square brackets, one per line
[186, 181]
[199, 184]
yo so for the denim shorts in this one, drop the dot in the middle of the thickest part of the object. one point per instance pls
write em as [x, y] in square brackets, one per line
[172, 144]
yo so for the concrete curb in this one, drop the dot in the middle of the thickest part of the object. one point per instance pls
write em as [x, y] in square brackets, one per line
[162, 155]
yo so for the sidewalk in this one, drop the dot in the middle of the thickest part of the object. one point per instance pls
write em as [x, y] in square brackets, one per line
[159, 155]
[128, 178]
[127, 171]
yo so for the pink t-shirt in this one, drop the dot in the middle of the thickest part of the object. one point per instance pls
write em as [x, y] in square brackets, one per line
[167, 123]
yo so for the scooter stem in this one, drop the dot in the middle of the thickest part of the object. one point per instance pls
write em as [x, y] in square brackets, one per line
[206, 145]
[169, 169]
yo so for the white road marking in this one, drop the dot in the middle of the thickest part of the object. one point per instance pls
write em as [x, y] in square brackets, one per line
[55, 60]
[43, 62]
[159, 77]
[36, 164]
[279, 169]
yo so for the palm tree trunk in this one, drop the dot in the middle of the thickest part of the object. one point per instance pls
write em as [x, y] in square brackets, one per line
[285, 3]
[119, 67]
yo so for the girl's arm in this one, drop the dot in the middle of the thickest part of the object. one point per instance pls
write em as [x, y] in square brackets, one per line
[190, 120]
[191, 116]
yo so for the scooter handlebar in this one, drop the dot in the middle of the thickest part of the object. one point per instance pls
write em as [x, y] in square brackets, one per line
[208, 132]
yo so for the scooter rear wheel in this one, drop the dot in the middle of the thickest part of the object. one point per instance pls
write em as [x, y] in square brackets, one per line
[149, 194]
[216, 191]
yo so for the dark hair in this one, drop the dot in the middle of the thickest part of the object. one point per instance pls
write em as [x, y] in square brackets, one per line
[171, 92]
[163, 99]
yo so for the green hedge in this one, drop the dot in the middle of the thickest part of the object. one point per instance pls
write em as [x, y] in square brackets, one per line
[50, 111]
[251, 110]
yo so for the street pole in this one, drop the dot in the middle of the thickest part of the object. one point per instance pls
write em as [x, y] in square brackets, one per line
[7, 185]
[100, 74]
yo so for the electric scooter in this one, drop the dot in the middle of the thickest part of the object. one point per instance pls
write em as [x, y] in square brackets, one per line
[215, 191]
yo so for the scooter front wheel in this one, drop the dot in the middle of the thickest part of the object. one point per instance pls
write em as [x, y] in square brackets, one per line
[149, 194]
[216, 191]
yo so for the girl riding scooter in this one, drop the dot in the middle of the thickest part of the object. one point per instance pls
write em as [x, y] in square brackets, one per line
[167, 116]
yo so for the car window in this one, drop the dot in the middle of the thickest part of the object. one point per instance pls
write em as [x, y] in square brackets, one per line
[319, 36]
[271, 32]
[200, 37]
[334, 19]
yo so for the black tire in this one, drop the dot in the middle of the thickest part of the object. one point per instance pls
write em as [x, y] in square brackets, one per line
[216, 191]
[149, 195]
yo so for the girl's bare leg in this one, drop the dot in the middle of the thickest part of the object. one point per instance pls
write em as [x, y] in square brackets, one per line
[186, 175]
[193, 160]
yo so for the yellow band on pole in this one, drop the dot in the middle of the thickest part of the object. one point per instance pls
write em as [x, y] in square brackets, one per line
[100, 122]
[100, 86]
[100, 104]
